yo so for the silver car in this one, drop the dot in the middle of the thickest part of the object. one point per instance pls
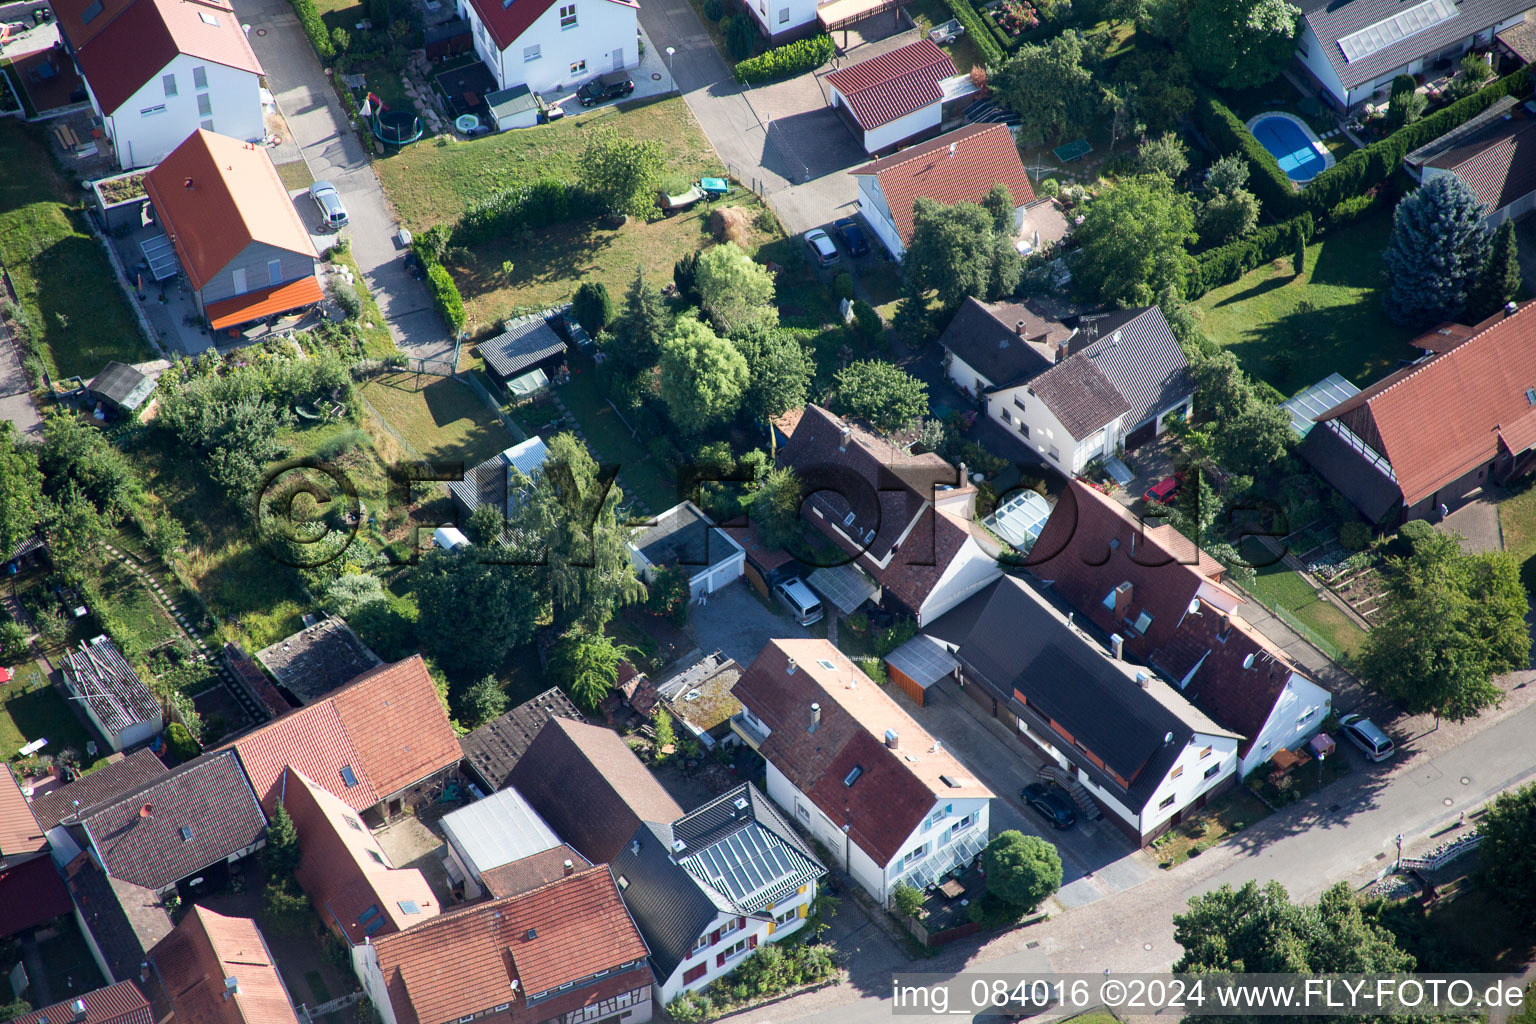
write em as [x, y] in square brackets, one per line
[1367, 735]
[329, 200]
[821, 247]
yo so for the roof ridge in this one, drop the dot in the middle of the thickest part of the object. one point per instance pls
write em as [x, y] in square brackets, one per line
[923, 149]
[1410, 372]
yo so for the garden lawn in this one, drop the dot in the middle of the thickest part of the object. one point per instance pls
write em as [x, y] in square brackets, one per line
[61, 275]
[31, 709]
[439, 417]
[1280, 587]
[640, 474]
[1227, 816]
[1262, 318]
[433, 182]
[927, 14]
[1517, 522]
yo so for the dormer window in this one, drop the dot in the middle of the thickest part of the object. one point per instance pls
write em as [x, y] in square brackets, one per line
[1143, 622]
[1530, 395]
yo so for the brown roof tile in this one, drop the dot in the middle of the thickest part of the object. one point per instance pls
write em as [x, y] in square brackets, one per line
[495, 747]
[126, 920]
[984, 155]
[104, 783]
[203, 951]
[1499, 163]
[122, 1003]
[560, 933]
[31, 893]
[532, 871]
[590, 787]
[896, 788]
[1438, 419]
[20, 834]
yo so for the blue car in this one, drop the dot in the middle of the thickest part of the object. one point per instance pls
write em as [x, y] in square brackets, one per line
[852, 235]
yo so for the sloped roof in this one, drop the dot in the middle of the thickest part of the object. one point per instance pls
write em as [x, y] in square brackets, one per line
[1499, 164]
[559, 933]
[522, 345]
[318, 658]
[493, 749]
[893, 84]
[1135, 368]
[983, 156]
[346, 872]
[118, 697]
[207, 948]
[126, 920]
[267, 300]
[20, 832]
[986, 337]
[177, 824]
[531, 872]
[123, 384]
[1333, 20]
[894, 789]
[506, 20]
[103, 784]
[126, 45]
[121, 1003]
[590, 787]
[386, 729]
[235, 198]
[31, 894]
[1441, 417]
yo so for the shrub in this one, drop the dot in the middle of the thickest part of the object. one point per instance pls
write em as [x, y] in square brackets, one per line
[1231, 136]
[1410, 533]
[1354, 535]
[346, 297]
[842, 285]
[980, 30]
[180, 742]
[1355, 208]
[785, 61]
[1048, 188]
[536, 204]
[13, 640]
[907, 900]
[309, 18]
[866, 320]
[741, 37]
[874, 668]
[592, 307]
[446, 297]
[714, 10]
[341, 39]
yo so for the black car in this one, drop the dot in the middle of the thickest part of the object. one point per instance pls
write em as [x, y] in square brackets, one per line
[852, 235]
[1052, 803]
[606, 87]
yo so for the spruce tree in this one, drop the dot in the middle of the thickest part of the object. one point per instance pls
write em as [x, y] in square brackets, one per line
[282, 850]
[1499, 280]
[1438, 247]
[641, 327]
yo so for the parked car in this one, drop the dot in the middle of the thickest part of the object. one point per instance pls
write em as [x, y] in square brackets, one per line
[329, 200]
[1051, 803]
[852, 235]
[802, 601]
[821, 246]
[1163, 490]
[606, 87]
[1367, 735]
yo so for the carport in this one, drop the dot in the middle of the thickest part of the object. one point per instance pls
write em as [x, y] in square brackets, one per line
[846, 586]
[918, 664]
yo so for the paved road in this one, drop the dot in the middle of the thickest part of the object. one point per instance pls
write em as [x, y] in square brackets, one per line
[333, 153]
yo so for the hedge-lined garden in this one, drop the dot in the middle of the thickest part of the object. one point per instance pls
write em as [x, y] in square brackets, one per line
[787, 61]
[979, 29]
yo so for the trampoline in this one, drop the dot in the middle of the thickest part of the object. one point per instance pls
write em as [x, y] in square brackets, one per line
[397, 127]
[1073, 150]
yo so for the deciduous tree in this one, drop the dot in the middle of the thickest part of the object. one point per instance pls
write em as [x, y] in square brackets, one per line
[587, 665]
[482, 702]
[776, 507]
[703, 376]
[735, 290]
[1021, 870]
[1509, 849]
[1051, 87]
[957, 251]
[880, 392]
[1439, 245]
[622, 172]
[1164, 154]
[1241, 44]
[1132, 242]
[473, 612]
[779, 374]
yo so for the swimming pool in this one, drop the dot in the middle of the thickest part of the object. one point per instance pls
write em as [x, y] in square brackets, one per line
[1300, 153]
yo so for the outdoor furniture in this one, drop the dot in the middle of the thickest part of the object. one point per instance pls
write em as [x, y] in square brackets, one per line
[682, 200]
[952, 889]
[471, 99]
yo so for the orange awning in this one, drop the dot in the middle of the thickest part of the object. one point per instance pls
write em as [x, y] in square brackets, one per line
[276, 298]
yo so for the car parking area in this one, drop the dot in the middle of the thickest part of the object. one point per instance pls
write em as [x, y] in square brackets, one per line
[738, 622]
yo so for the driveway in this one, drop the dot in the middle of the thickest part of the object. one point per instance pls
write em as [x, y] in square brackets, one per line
[333, 153]
[738, 622]
[16, 405]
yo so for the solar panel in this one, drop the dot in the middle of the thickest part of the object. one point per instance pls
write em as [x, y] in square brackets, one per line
[1400, 26]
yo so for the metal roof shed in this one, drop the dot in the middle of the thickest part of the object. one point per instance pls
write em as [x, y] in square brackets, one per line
[516, 107]
[918, 664]
[498, 830]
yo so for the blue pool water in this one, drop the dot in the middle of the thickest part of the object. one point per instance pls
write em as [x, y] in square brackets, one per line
[1291, 147]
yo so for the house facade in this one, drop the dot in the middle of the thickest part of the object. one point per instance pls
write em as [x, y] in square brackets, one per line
[158, 70]
[898, 96]
[236, 233]
[961, 165]
[709, 888]
[848, 765]
[1353, 51]
[552, 45]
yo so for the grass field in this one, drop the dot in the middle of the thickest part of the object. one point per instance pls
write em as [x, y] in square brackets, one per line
[1517, 521]
[640, 474]
[62, 278]
[1263, 317]
[32, 709]
[440, 417]
[377, 342]
[1227, 815]
[1277, 586]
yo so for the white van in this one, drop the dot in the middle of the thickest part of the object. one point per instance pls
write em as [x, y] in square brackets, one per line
[801, 600]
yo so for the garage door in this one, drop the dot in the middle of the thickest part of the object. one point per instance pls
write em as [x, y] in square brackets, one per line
[1141, 435]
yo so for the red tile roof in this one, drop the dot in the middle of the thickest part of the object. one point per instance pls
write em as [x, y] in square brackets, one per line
[532, 871]
[896, 788]
[508, 19]
[1440, 418]
[31, 894]
[205, 949]
[20, 835]
[129, 44]
[122, 1003]
[894, 84]
[235, 199]
[1500, 166]
[983, 155]
[509, 949]
[276, 298]
[387, 727]
[344, 869]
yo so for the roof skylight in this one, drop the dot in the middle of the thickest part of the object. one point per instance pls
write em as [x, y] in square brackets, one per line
[1361, 44]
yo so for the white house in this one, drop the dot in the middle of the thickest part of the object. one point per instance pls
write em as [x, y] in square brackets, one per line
[1354, 50]
[961, 165]
[1494, 153]
[710, 887]
[856, 771]
[905, 519]
[118, 703]
[158, 70]
[551, 45]
[898, 96]
[783, 21]
[684, 536]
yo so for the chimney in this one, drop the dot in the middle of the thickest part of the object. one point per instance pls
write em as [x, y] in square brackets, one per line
[1510, 307]
[842, 440]
[789, 667]
[1117, 645]
[231, 987]
[1061, 349]
[569, 867]
[1123, 600]
[1142, 680]
[815, 717]
[187, 185]
[892, 739]
[1018, 328]
[78, 1008]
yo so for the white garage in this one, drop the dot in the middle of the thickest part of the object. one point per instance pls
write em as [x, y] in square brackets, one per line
[684, 536]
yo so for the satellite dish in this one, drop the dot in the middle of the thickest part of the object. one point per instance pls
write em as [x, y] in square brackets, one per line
[147, 811]
[1248, 661]
[1194, 606]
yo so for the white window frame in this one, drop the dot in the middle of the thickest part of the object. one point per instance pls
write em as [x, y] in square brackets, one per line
[532, 53]
[567, 16]
[789, 915]
[730, 927]
[701, 945]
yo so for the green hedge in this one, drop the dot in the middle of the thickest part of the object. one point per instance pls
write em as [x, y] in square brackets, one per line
[1226, 263]
[1230, 135]
[786, 61]
[536, 204]
[445, 294]
[319, 36]
[979, 29]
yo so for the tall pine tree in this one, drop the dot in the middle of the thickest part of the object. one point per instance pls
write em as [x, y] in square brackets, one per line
[641, 326]
[1499, 280]
[1438, 247]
